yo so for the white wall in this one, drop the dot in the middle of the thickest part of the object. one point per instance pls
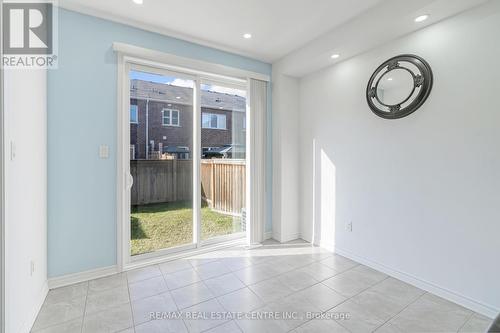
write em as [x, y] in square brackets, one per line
[285, 141]
[25, 108]
[422, 192]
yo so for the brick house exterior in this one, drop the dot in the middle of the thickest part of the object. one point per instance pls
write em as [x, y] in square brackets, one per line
[153, 99]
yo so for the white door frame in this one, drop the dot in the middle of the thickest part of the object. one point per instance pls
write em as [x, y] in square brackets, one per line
[132, 56]
[2, 190]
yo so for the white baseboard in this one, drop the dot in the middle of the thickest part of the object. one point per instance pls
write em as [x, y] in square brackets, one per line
[66, 280]
[325, 245]
[291, 237]
[328, 246]
[474, 305]
[284, 238]
[36, 309]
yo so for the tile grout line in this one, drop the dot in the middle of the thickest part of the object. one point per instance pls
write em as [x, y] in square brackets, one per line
[404, 308]
[466, 321]
[85, 306]
[223, 323]
[268, 302]
[359, 292]
[66, 321]
[233, 271]
[318, 282]
[315, 284]
[346, 298]
[130, 303]
[273, 260]
[297, 268]
[173, 299]
[275, 276]
[248, 285]
[203, 281]
[230, 271]
[351, 297]
[333, 307]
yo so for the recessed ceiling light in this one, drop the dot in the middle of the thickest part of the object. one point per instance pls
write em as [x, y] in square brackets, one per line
[335, 56]
[421, 18]
[139, 2]
[247, 36]
[389, 79]
[178, 97]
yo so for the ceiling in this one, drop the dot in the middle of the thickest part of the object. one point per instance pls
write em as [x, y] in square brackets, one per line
[277, 26]
[297, 36]
[389, 20]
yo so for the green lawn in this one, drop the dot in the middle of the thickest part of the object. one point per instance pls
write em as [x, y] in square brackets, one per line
[164, 225]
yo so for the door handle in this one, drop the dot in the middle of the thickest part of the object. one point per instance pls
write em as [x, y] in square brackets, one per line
[129, 181]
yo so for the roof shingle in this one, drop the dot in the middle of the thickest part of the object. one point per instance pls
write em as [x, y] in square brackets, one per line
[182, 95]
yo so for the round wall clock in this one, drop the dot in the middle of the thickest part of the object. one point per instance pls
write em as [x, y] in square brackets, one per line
[399, 86]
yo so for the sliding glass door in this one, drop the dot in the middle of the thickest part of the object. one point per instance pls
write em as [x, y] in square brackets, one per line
[187, 144]
[161, 160]
[223, 163]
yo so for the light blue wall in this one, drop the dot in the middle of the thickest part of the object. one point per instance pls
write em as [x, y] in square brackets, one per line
[82, 116]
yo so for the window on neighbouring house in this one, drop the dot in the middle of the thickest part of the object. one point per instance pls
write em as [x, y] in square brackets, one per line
[212, 120]
[134, 118]
[170, 117]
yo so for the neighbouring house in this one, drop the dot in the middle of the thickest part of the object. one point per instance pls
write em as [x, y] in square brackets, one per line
[161, 121]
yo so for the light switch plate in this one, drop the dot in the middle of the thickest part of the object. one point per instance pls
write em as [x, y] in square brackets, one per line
[12, 150]
[103, 151]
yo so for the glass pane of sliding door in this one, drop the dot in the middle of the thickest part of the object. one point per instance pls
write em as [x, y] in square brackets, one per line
[223, 153]
[161, 145]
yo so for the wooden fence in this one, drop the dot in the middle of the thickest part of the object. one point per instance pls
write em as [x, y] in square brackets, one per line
[161, 181]
[223, 185]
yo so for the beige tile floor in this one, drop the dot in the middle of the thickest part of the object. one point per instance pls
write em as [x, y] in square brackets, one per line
[292, 278]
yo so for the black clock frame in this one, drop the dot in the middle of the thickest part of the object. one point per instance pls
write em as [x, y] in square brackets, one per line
[424, 79]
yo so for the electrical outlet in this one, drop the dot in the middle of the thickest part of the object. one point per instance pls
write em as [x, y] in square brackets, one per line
[348, 227]
[32, 267]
